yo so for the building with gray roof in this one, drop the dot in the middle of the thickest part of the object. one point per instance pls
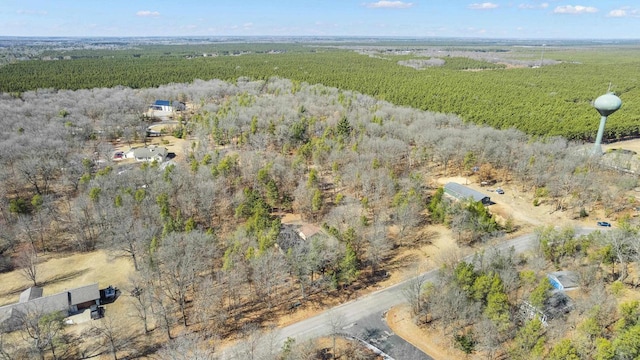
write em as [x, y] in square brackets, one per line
[461, 192]
[32, 301]
[31, 293]
[150, 153]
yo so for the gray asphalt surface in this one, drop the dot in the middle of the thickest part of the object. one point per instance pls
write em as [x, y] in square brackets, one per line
[359, 315]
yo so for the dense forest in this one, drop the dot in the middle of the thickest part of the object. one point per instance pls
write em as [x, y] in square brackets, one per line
[543, 90]
[202, 229]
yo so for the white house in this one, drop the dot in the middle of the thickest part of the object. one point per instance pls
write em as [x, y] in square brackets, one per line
[150, 154]
[161, 105]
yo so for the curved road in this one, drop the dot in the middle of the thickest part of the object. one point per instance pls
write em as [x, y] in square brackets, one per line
[377, 302]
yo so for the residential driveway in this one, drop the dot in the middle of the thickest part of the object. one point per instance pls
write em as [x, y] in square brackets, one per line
[374, 330]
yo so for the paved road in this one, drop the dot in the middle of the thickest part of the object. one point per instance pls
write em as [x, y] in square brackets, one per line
[373, 304]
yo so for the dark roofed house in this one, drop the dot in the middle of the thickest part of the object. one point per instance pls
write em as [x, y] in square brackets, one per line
[12, 316]
[462, 192]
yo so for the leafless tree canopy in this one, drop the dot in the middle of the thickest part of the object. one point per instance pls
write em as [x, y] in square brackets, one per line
[202, 231]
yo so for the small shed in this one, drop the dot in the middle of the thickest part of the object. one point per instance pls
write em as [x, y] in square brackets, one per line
[563, 280]
[461, 192]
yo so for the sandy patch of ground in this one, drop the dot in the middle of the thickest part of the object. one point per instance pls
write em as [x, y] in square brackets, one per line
[633, 145]
[518, 205]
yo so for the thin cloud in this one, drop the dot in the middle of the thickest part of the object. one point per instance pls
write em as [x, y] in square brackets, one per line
[578, 9]
[147, 13]
[534, 6]
[483, 6]
[624, 12]
[31, 12]
[389, 4]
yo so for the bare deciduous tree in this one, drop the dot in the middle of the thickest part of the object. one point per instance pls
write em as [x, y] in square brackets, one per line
[413, 293]
[114, 333]
[27, 261]
[336, 322]
[42, 329]
[188, 347]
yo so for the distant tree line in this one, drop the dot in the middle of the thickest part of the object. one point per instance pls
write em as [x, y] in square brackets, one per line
[547, 101]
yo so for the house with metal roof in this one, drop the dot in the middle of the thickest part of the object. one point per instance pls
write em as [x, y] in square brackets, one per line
[31, 300]
[564, 280]
[161, 105]
[461, 192]
[83, 297]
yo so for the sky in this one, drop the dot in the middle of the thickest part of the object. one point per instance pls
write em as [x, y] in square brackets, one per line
[507, 19]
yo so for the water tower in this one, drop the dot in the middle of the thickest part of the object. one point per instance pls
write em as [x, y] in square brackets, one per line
[606, 105]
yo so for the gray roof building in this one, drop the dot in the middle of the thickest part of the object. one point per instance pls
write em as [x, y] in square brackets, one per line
[151, 153]
[87, 293]
[31, 300]
[31, 293]
[462, 192]
[564, 280]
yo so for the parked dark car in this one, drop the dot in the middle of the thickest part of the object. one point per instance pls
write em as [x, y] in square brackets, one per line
[500, 191]
[604, 223]
[97, 312]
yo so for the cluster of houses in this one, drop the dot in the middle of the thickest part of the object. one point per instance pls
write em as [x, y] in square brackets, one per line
[152, 153]
[559, 303]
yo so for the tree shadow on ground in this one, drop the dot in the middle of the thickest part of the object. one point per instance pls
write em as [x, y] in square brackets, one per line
[370, 333]
[58, 278]
[13, 292]
[63, 277]
[403, 261]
